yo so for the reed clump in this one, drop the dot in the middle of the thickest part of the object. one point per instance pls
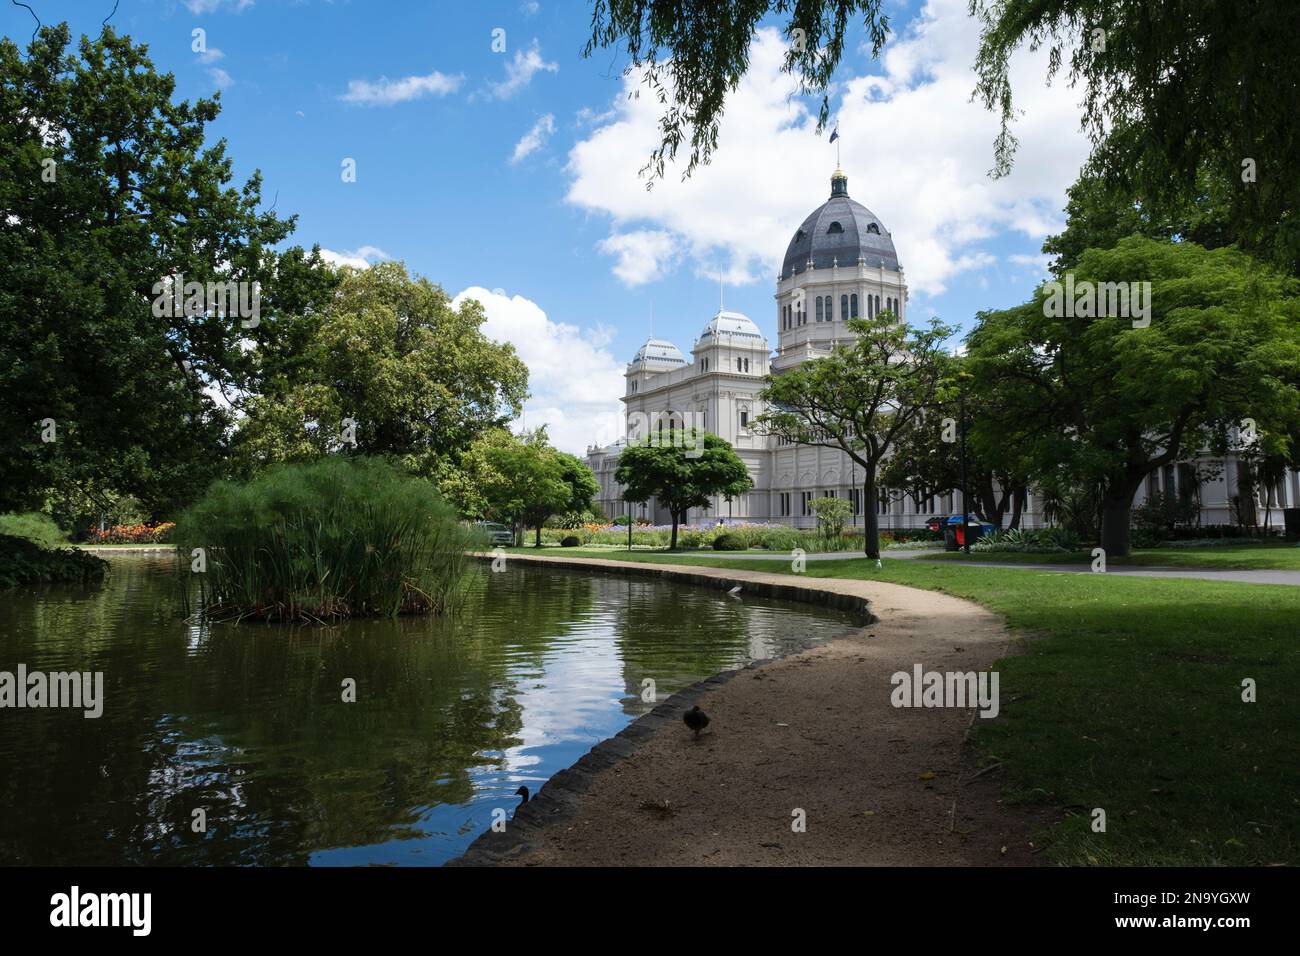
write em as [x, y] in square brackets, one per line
[325, 541]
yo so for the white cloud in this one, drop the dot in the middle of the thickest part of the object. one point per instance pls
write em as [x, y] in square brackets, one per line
[198, 7]
[534, 139]
[916, 150]
[574, 380]
[386, 92]
[220, 78]
[360, 258]
[643, 255]
[529, 7]
[1037, 263]
[521, 70]
[211, 55]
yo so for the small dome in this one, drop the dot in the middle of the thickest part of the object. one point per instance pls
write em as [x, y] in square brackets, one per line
[731, 323]
[839, 231]
[660, 353]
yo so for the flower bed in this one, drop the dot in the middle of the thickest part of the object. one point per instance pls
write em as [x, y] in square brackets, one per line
[741, 536]
[133, 534]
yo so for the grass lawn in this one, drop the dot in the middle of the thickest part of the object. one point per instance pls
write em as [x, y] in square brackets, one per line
[1243, 557]
[1128, 698]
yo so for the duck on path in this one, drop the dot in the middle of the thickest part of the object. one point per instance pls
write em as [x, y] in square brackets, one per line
[696, 720]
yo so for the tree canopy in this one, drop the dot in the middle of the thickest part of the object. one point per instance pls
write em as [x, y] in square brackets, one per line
[693, 53]
[417, 378]
[1170, 93]
[1110, 401]
[681, 469]
[862, 398]
[107, 188]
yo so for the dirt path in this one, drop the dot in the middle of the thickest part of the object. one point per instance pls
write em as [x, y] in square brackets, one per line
[814, 732]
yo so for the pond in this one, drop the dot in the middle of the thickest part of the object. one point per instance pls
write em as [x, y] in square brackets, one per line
[247, 723]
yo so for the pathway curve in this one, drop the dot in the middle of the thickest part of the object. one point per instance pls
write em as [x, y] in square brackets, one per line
[814, 732]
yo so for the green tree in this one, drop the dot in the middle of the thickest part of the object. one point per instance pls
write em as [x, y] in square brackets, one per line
[582, 483]
[831, 514]
[528, 486]
[521, 479]
[681, 469]
[1100, 212]
[107, 190]
[418, 378]
[1109, 402]
[862, 398]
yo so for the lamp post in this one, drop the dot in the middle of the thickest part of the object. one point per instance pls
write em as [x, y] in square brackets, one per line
[965, 499]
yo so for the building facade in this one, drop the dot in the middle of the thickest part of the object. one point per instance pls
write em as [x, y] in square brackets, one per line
[840, 264]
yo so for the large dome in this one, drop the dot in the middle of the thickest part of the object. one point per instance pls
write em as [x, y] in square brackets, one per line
[839, 231]
[660, 352]
[726, 324]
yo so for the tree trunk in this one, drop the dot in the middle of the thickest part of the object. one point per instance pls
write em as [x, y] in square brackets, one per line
[870, 517]
[1116, 510]
[672, 544]
[1017, 506]
[537, 542]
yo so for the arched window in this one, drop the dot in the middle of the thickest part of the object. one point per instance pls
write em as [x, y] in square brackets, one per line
[877, 305]
[834, 229]
[844, 307]
[819, 308]
[871, 307]
[853, 306]
[873, 229]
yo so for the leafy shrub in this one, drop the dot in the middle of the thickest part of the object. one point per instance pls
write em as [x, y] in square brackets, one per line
[25, 562]
[730, 541]
[338, 538]
[34, 526]
[1145, 538]
[572, 541]
[1160, 516]
[1026, 541]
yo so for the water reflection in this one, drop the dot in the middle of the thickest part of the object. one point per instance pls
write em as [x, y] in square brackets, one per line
[247, 721]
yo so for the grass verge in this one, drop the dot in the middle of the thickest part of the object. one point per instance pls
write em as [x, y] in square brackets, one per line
[1258, 557]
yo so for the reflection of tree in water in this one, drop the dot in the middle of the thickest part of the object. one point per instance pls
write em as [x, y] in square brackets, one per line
[248, 723]
[675, 635]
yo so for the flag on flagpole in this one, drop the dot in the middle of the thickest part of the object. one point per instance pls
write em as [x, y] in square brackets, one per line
[835, 133]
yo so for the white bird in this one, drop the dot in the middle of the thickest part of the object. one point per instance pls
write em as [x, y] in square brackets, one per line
[734, 592]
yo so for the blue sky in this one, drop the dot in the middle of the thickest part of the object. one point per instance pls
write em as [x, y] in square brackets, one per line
[516, 171]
